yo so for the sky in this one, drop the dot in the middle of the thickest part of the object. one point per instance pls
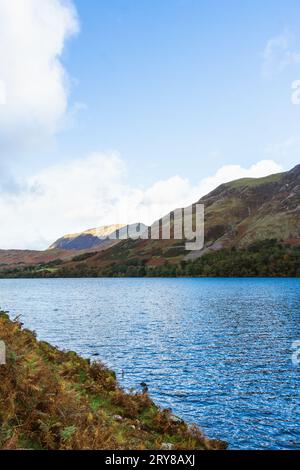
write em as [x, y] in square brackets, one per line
[119, 111]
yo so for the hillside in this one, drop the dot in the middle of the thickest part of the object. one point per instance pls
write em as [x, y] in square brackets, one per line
[54, 400]
[103, 237]
[91, 238]
[238, 215]
[251, 210]
[31, 257]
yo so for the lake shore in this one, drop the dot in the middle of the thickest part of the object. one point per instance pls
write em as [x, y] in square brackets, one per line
[267, 258]
[56, 400]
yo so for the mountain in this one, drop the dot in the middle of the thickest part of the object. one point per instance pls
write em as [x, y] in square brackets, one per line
[248, 210]
[238, 215]
[32, 257]
[94, 238]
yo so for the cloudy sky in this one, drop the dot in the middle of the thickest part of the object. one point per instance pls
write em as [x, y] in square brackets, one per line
[119, 111]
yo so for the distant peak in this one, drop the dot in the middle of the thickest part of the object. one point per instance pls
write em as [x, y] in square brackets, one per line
[92, 238]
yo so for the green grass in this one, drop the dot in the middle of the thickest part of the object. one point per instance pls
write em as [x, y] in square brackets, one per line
[252, 182]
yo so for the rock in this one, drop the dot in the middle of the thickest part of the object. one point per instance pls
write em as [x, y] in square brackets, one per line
[118, 418]
[144, 386]
[167, 446]
[215, 444]
[176, 419]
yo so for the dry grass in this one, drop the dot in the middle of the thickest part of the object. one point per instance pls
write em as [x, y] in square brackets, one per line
[51, 399]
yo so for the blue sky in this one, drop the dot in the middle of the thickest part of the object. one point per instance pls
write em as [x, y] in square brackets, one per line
[176, 86]
[133, 107]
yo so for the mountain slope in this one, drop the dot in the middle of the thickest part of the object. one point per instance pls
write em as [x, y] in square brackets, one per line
[31, 257]
[237, 215]
[248, 210]
[85, 240]
[93, 238]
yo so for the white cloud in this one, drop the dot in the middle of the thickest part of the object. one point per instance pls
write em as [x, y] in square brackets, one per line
[279, 54]
[94, 191]
[175, 192]
[33, 81]
[233, 172]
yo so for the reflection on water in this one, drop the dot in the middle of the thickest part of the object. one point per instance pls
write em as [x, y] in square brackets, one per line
[217, 351]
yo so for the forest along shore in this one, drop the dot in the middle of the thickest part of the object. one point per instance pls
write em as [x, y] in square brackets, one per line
[55, 400]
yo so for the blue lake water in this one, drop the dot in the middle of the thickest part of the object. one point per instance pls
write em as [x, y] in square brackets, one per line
[217, 351]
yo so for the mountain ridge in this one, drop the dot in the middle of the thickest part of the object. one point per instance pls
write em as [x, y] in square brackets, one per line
[237, 214]
[103, 236]
[86, 239]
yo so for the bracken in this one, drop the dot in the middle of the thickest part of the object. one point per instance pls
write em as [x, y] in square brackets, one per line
[50, 399]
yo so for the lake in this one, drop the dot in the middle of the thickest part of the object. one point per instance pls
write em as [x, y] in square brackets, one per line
[216, 351]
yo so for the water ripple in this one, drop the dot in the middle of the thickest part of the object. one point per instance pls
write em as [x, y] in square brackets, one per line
[218, 351]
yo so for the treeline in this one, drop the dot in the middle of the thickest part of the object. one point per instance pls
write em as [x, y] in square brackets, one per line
[268, 258]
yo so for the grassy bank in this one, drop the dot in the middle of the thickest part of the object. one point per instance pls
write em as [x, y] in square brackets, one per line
[50, 399]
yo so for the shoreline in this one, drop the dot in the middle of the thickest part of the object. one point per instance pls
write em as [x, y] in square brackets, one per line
[56, 400]
[267, 258]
